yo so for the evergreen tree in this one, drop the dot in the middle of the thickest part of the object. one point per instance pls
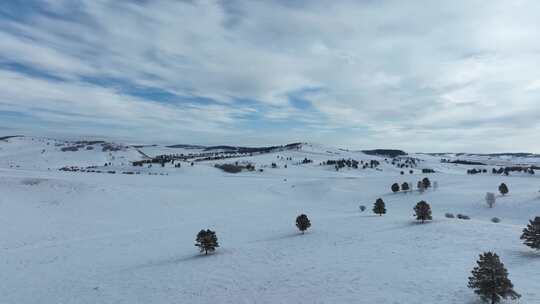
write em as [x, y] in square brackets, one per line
[503, 189]
[426, 182]
[395, 187]
[490, 279]
[422, 211]
[206, 241]
[302, 222]
[531, 234]
[379, 207]
[405, 187]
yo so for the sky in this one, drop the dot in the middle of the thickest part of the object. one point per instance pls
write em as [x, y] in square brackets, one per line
[431, 76]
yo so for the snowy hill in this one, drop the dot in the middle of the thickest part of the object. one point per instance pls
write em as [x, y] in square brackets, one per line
[92, 236]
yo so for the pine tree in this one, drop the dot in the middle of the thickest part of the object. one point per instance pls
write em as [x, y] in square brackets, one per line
[531, 234]
[206, 241]
[503, 189]
[302, 222]
[422, 211]
[426, 182]
[395, 187]
[405, 187]
[379, 207]
[490, 279]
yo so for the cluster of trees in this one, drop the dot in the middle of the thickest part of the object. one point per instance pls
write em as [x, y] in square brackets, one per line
[503, 170]
[422, 210]
[506, 170]
[422, 185]
[202, 156]
[342, 163]
[404, 162]
[462, 162]
[351, 163]
[235, 168]
[476, 171]
[405, 187]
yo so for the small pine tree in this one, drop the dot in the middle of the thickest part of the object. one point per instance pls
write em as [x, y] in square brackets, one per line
[379, 207]
[362, 208]
[490, 199]
[206, 241]
[531, 234]
[426, 182]
[395, 187]
[503, 189]
[405, 187]
[422, 211]
[302, 222]
[490, 279]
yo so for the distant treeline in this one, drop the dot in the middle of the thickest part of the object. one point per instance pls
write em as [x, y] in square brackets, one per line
[385, 152]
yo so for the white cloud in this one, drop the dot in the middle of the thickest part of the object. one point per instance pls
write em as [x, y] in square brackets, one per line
[420, 68]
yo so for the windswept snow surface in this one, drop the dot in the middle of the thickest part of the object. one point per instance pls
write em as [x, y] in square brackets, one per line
[73, 237]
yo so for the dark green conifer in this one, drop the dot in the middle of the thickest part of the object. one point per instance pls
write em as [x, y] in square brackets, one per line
[490, 279]
[302, 222]
[503, 189]
[379, 207]
[422, 210]
[206, 241]
[531, 234]
[405, 187]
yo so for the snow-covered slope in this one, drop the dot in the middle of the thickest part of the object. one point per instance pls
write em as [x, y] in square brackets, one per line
[86, 237]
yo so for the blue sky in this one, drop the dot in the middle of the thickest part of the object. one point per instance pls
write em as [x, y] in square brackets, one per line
[416, 75]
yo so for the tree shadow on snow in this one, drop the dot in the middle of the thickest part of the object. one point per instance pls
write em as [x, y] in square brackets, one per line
[409, 224]
[526, 254]
[280, 237]
[371, 215]
[178, 260]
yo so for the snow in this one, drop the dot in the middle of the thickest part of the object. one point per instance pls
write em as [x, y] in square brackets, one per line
[74, 237]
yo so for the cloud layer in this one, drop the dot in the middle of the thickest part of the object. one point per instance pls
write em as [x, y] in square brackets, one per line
[418, 75]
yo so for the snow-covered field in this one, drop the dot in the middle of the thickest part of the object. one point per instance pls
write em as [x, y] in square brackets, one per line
[79, 237]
